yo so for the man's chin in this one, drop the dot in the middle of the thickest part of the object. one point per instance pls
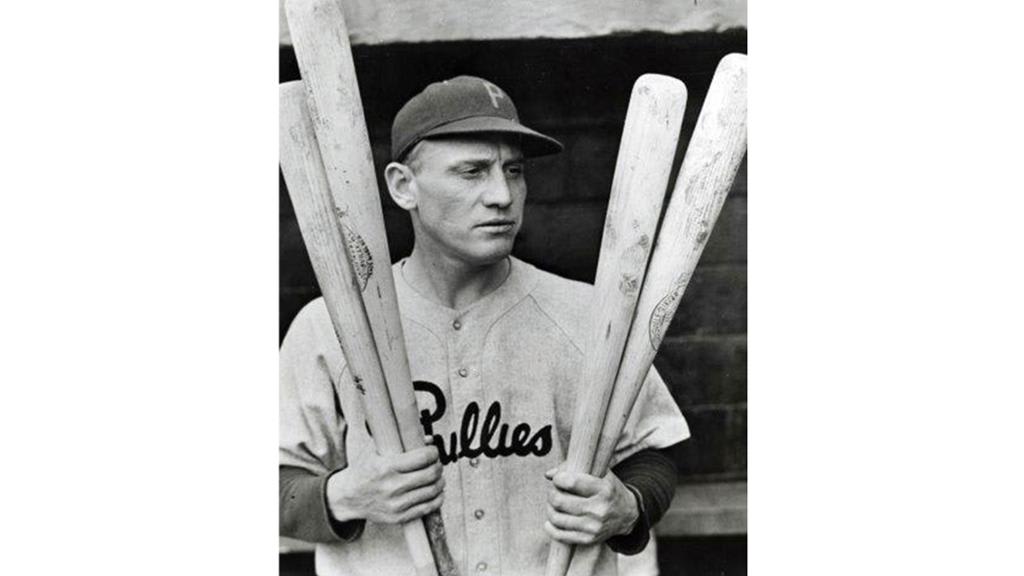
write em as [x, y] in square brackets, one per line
[492, 259]
[493, 255]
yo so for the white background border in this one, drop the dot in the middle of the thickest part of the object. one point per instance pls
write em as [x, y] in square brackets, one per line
[139, 240]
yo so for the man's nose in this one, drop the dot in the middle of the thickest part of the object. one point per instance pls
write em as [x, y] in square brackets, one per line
[498, 192]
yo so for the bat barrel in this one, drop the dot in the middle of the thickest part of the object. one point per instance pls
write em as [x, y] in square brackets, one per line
[717, 147]
[649, 139]
[339, 282]
[322, 48]
[325, 59]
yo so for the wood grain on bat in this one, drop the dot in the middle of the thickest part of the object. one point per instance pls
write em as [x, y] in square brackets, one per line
[649, 139]
[716, 149]
[340, 284]
[333, 96]
[324, 55]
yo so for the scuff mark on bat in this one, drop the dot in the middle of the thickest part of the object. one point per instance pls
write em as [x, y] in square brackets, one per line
[629, 284]
[632, 263]
[705, 231]
[359, 384]
[610, 235]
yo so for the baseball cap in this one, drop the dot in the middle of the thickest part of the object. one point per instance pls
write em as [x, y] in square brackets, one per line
[464, 105]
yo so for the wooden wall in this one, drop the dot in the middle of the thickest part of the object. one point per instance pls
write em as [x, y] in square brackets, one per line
[577, 91]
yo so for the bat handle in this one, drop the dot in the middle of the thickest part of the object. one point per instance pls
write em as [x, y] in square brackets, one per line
[559, 557]
[419, 548]
[439, 545]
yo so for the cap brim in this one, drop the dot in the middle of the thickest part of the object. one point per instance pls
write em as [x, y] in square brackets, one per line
[533, 143]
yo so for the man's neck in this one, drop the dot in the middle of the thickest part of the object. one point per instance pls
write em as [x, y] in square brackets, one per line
[450, 282]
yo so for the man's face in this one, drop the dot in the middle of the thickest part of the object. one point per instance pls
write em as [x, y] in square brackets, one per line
[469, 198]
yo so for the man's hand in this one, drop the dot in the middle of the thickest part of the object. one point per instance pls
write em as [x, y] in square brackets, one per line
[388, 489]
[585, 509]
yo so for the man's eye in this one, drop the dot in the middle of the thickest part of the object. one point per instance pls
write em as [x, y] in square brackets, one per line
[471, 172]
[515, 170]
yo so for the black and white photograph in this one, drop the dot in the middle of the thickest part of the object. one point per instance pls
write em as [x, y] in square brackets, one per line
[472, 287]
[513, 288]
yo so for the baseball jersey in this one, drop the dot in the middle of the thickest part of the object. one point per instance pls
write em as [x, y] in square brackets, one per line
[496, 386]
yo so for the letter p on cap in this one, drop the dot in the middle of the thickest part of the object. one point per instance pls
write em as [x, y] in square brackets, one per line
[494, 92]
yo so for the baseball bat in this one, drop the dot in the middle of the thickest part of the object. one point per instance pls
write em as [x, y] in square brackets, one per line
[649, 138]
[340, 283]
[717, 147]
[320, 39]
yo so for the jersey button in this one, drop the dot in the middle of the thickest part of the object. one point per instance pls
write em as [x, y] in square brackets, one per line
[481, 567]
[463, 372]
[474, 462]
[457, 325]
[478, 514]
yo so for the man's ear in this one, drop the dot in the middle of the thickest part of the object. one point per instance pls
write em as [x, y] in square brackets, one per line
[401, 185]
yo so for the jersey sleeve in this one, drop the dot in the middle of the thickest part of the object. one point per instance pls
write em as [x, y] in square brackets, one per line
[655, 422]
[312, 424]
[312, 429]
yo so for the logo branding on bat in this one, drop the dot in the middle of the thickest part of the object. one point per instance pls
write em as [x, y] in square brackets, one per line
[489, 437]
[661, 317]
[358, 253]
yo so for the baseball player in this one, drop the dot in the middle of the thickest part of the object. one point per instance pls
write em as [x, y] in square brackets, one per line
[495, 349]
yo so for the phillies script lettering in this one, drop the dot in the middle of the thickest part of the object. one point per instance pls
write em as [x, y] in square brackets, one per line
[490, 437]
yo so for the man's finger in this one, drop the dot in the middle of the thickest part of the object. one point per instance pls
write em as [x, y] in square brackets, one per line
[572, 523]
[567, 536]
[567, 503]
[419, 496]
[550, 473]
[421, 510]
[423, 477]
[578, 483]
[415, 459]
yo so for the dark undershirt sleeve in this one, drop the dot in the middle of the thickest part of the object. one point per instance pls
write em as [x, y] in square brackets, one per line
[652, 476]
[303, 509]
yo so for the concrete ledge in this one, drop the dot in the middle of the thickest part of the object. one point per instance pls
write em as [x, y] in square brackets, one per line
[389, 21]
[718, 509]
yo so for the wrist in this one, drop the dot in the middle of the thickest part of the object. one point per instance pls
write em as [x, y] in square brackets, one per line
[634, 508]
[636, 537]
[338, 498]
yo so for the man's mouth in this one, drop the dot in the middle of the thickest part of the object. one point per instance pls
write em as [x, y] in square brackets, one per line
[498, 225]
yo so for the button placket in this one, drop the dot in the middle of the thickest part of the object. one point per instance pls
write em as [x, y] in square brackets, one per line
[478, 495]
[460, 349]
[479, 487]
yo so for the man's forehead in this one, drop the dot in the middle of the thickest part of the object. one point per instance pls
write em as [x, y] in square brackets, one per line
[458, 148]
